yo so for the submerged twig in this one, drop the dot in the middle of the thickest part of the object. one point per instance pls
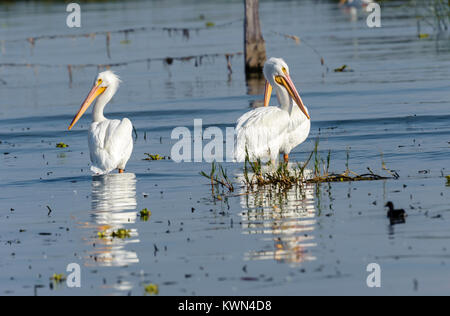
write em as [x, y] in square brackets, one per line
[49, 210]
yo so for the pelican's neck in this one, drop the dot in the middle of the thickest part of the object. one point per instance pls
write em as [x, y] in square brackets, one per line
[284, 99]
[102, 101]
[97, 111]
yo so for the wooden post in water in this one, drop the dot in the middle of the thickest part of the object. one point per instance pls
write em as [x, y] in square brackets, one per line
[255, 47]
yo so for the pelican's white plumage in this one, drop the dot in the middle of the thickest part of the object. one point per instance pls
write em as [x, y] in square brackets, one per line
[110, 144]
[262, 132]
[110, 141]
[268, 131]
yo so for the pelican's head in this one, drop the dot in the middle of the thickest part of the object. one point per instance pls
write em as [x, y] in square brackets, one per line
[277, 74]
[108, 79]
[106, 83]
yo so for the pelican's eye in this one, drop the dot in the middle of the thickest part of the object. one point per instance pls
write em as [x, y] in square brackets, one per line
[99, 81]
[284, 70]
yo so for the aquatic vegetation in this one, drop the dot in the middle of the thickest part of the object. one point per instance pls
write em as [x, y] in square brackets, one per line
[218, 177]
[210, 24]
[151, 157]
[343, 68]
[448, 180]
[102, 235]
[61, 145]
[151, 289]
[58, 278]
[120, 233]
[145, 214]
[282, 176]
[286, 176]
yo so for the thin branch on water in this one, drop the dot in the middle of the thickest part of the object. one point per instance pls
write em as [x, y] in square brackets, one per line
[299, 41]
[185, 31]
[198, 60]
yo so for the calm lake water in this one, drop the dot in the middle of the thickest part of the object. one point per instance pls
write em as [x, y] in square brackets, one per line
[395, 102]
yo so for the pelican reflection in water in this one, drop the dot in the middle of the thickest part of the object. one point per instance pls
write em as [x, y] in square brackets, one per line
[284, 218]
[114, 207]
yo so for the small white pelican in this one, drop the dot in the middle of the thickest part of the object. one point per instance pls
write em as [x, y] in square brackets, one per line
[268, 131]
[110, 141]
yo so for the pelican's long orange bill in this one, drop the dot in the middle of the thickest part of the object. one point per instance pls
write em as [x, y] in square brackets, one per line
[95, 92]
[267, 94]
[286, 81]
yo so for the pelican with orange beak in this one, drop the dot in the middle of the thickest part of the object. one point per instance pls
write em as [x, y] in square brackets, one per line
[266, 132]
[110, 141]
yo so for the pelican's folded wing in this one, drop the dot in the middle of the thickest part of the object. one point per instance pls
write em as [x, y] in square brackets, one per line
[261, 132]
[111, 143]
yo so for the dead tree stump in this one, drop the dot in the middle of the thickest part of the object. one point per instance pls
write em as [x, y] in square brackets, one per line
[255, 47]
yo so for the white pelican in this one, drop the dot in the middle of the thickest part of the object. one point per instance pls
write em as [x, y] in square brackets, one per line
[110, 141]
[268, 131]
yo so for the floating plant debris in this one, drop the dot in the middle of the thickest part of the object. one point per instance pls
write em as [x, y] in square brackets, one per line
[102, 235]
[448, 180]
[145, 214]
[120, 233]
[343, 68]
[151, 289]
[58, 278]
[154, 157]
[61, 145]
